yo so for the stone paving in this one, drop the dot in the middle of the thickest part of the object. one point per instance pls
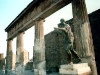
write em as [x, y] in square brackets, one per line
[32, 73]
[29, 72]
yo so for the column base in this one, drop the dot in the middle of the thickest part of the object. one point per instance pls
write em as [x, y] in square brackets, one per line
[19, 69]
[75, 69]
[39, 72]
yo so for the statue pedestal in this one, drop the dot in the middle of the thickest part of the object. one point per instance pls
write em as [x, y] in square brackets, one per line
[75, 69]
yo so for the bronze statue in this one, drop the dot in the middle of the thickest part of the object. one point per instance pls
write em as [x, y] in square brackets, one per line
[66, 29]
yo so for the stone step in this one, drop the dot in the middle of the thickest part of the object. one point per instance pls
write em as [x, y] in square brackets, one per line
[74, 69]
[80, 65]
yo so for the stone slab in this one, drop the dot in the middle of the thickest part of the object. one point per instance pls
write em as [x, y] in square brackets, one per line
[75, 69]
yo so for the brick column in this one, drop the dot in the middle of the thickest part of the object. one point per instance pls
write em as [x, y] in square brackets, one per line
[39, 49]
[82, 32]
[9, 57]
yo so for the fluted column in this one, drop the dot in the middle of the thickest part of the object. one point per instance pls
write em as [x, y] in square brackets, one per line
[39, 49]
[82, 32]
[9, 57]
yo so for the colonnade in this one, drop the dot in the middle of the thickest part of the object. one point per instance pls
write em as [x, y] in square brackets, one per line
[39, 48]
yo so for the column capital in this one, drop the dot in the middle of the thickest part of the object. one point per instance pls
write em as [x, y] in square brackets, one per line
[10, 39]
[19, 32]
[39, 19]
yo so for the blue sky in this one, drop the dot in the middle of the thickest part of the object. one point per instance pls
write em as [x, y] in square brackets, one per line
[9, 9]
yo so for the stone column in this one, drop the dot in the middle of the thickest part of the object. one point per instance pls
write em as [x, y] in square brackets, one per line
[8, 69]
[82, 32]
[19, 54]
[39, 49]
[2, 63]
[19, 47]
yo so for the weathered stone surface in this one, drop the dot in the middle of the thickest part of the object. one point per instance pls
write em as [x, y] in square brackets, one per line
[25, 56]
[94, 19]
[2, 61]
[20, 69]
[29, 65]
[53, 56]
[10, 58]
[82, 31]
[13, 61]
[20, 66]
[39, 63]
[22, 55]
[75, 69]
[2, 64]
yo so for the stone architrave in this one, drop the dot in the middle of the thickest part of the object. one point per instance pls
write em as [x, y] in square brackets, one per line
[82, 32]
[39, 49]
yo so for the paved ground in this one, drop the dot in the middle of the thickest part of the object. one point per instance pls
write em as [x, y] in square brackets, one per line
[29, 72]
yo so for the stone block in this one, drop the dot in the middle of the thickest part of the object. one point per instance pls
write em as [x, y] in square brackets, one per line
[75, 69]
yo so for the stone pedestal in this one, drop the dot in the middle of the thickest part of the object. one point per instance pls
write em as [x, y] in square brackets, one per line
[75, 69]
